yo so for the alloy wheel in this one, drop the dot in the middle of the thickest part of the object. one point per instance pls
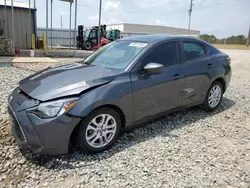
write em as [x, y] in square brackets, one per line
[101, 130]
[214, 96]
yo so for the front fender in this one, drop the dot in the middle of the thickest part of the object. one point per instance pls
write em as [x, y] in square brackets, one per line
[117, 93]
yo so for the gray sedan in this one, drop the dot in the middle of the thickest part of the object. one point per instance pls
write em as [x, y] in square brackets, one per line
[124, 83]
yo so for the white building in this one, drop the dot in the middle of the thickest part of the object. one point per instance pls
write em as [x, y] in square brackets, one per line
[135, 29]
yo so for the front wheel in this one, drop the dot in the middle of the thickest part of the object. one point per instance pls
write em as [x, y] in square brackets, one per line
[99, 130]
[213, 97]
[88, 45]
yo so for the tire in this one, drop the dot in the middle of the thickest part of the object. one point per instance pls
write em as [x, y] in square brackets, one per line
[94, 136]
[211, 103]
[88, 45]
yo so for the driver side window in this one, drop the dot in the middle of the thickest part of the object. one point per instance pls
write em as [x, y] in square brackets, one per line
[165, 54]
[92, 34]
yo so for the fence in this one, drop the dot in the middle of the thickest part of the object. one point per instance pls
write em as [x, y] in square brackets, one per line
[59, 36]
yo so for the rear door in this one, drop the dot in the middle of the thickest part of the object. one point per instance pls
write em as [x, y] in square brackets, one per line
[154, 94]
[196, 69]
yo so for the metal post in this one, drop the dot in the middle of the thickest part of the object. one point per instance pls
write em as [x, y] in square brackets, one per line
[47, 26]
[5, 20]
[190, 14]
[51, 7]
[248, 38]
[61, 18]
[29, 30]
[70, 24]
[75, 27]
[12, 26]
[99, 30]
[35, 22]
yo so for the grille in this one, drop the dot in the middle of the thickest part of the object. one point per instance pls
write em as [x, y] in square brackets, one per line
[16, 127]
[18, 130]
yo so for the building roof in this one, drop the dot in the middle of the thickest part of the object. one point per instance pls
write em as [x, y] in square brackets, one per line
[153, 38]
[162, 26]
[16, 4]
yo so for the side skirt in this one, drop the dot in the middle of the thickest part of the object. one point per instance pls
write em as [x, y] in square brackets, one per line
[140, 123]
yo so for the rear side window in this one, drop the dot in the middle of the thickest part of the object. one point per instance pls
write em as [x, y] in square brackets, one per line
[193, 50]
[165, 54]
[212, 50]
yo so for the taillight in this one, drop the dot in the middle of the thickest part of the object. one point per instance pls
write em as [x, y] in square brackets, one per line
[229, 60]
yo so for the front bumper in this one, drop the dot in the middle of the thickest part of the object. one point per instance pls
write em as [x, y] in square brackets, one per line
[41, 136]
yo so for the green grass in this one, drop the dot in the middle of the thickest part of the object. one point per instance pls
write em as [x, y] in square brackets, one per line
[231, 46]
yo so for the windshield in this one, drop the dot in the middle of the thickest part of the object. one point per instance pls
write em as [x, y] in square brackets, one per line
[116, 55]
[87, 32]
[108, 34]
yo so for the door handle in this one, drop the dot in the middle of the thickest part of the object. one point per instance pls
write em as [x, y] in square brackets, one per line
[209, 65]
[177, 76]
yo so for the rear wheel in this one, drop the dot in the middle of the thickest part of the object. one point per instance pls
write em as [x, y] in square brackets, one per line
[99, 130]
[213, 97]
[88, 45]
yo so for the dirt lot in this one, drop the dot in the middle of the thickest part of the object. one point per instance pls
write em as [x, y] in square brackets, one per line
[232, 46]
[190, 148]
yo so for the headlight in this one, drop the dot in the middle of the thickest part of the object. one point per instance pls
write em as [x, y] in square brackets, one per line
[53, 109]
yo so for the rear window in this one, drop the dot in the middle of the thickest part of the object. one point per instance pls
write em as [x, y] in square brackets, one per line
[193, 50]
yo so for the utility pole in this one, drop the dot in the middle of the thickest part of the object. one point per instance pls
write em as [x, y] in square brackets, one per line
[190, 15]
[248, 39]
[99, 30]
[61, 21]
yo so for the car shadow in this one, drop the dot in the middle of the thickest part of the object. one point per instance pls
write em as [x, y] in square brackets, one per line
[159, 127]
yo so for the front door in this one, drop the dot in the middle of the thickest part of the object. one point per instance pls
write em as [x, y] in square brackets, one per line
[154, 94]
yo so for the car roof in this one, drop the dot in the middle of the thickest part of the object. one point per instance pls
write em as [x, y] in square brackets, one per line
[158, 37]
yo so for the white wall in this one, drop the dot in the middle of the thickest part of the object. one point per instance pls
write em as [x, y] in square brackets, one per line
[152, 29]
[118, 26]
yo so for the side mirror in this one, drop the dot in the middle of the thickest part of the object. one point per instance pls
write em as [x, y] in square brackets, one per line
[153, 68]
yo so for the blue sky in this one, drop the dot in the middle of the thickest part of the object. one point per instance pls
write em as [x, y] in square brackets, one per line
[220, 17]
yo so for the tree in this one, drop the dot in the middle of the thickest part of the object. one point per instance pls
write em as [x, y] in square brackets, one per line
[239, 39]
[209, 38]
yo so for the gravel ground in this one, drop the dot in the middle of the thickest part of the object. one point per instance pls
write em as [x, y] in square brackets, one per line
[190, 148]
[40, 66]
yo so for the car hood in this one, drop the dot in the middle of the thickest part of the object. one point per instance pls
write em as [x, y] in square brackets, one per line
[65, 80]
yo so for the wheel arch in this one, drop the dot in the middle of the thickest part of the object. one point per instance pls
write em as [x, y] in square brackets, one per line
[117, 109]
[222, 81]
[73, 135]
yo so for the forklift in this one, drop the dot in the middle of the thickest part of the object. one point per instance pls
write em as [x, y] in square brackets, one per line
[88, 40]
